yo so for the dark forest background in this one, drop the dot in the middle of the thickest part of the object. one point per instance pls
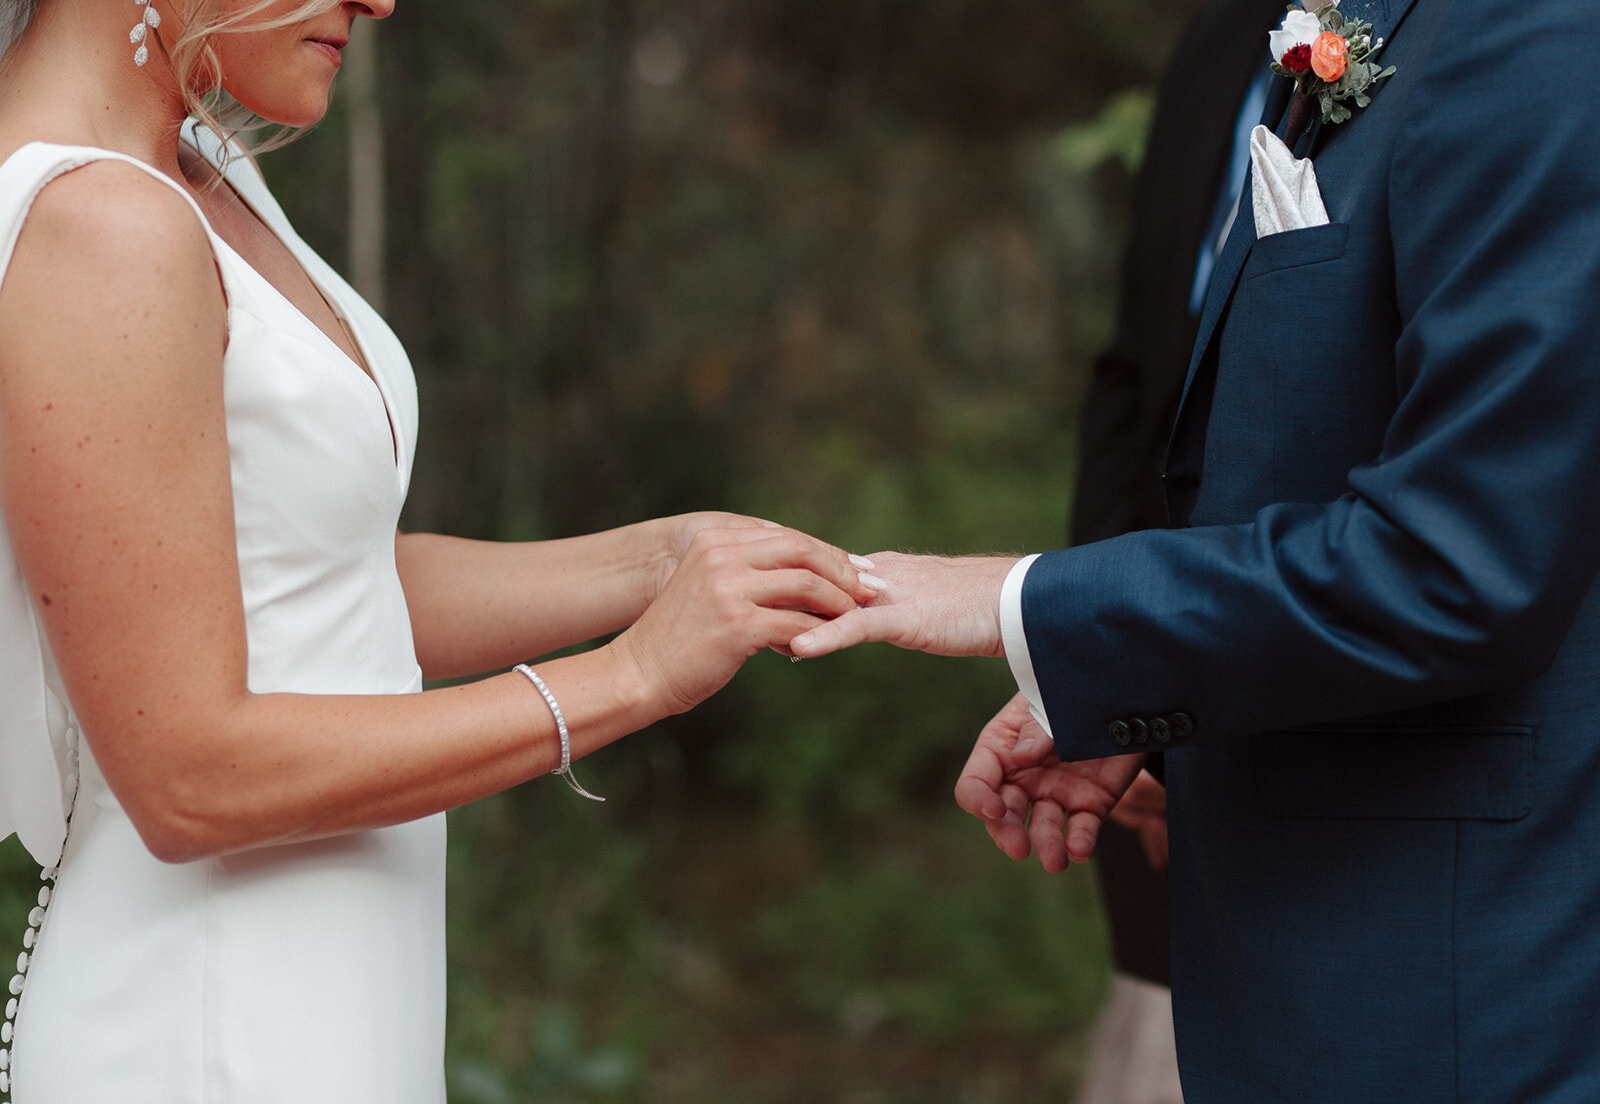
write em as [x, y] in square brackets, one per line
[841, 263]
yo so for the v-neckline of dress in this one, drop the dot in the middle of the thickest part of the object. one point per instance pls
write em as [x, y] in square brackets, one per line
[365, 366]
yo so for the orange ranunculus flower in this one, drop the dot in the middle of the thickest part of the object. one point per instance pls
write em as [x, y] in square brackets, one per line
[1330, 56]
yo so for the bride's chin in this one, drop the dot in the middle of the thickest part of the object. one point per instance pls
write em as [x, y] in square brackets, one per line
[308, 112]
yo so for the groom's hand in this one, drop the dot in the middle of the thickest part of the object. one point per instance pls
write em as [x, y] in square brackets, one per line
[1029, 801]
[940, 604]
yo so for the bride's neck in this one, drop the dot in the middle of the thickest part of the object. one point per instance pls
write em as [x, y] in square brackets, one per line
[71, 78]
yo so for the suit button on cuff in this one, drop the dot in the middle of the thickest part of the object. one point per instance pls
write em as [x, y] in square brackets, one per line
[1182, 725]
[1161, 730]
[1141, 731]
[1121, 734]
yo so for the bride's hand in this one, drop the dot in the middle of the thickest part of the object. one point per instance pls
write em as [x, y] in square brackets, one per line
[674, 535]
[736, 592]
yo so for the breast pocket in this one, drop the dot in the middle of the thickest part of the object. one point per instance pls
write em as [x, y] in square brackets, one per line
[1396, 772]
[1283, 375]
[1295, 248]
[1307, 360]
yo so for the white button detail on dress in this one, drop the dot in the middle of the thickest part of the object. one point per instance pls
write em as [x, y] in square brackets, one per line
[16, 991]
[29, 936]
[35, 917]
[5, 1059]
[11, 1008]
[44, 896]
[5, 1030]
[22, 962]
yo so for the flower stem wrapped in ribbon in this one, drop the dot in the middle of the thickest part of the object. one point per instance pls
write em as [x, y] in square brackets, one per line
[1328, 58]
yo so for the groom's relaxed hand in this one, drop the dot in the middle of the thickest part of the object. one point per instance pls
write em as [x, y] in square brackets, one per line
[1029, 801]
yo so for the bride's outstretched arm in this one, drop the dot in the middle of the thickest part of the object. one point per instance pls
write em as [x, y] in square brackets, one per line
[483, 605]
[116, 489]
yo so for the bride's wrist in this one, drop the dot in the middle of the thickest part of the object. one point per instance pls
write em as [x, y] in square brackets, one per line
[640, 691]
[657, 558]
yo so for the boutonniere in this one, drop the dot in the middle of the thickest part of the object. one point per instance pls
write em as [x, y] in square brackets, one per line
[1328, 57]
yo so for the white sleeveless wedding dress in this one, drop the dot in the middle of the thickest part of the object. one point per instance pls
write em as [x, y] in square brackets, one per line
[300, 974]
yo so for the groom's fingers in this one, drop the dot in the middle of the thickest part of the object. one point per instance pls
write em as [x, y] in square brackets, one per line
[1046, 830]
[978, 788]
[1082, 832]
[846, 631]
[978, 797]
[1010, 832]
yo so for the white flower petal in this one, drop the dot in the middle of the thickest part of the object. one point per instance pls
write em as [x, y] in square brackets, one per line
[1300, 28]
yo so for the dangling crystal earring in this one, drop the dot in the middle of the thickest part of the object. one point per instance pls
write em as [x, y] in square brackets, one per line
[141, 31]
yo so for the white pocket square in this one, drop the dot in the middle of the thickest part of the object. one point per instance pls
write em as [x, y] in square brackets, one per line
[1283, 190]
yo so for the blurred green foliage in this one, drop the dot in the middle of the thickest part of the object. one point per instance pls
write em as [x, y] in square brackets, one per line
[1116, 134]
[842, 263]
[693, 954]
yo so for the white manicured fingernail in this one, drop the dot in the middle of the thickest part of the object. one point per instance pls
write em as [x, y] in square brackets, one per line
[873, 581]
[861, 563]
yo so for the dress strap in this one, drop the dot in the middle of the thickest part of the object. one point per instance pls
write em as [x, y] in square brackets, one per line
[38, 737]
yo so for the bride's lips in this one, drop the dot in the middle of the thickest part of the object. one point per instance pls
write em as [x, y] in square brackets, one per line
[330, 48]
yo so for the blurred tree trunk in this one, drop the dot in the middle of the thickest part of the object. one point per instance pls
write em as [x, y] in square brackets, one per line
[582, 383]
[410, 268]
[368, 212]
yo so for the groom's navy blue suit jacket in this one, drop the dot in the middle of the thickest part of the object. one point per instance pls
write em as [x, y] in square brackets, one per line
[1377, 611]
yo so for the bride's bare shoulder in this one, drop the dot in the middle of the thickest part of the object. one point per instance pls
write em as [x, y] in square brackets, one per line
[107, 253]
[112, 196]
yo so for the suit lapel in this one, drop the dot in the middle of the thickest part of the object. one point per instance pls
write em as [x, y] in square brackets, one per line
[1188, 436]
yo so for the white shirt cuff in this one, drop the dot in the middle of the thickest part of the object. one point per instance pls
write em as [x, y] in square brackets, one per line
[1015, 640]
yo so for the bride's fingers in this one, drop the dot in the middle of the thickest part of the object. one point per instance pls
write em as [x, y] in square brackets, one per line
[799, 589]
[789, 548]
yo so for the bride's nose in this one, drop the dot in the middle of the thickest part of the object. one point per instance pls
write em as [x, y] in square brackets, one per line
[373, 9]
